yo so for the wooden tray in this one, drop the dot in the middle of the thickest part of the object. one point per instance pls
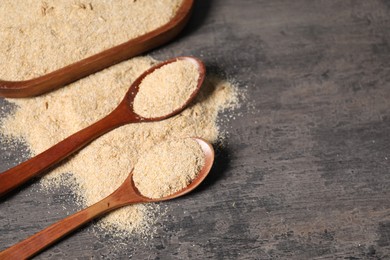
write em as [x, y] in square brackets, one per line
[97, 62]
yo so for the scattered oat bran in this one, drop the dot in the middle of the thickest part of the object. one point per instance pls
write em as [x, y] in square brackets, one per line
[168, 167]
[166, 89]
[101, 167]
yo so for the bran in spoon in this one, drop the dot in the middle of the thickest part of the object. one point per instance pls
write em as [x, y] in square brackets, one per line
[166, 89]
[168, 167]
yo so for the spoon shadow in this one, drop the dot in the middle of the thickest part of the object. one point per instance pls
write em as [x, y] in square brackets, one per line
[218, 171]
[198, 17]
[201, 10]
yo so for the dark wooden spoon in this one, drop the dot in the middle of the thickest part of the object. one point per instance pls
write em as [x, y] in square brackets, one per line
[97, 62]
[126, 194]
[123, 114]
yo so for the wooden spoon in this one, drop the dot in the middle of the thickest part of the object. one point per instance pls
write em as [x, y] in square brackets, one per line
[123, 114]
[97, 62]
[126, 194]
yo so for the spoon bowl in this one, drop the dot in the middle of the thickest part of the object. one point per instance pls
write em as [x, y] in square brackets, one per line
[126, 194]
[209, 155]
[127, 102]
[121, 115]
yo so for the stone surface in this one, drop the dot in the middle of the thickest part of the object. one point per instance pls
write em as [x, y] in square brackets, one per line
[305, 171]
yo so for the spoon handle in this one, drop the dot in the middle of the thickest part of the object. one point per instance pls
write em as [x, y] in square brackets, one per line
[29, 247]
[36, 243]
[25, 171]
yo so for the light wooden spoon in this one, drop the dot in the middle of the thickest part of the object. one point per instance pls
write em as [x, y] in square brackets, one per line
[97, 62]
[126, 194]
[123, 114]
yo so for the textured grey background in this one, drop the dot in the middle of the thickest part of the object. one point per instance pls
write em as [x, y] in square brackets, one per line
[305, 173]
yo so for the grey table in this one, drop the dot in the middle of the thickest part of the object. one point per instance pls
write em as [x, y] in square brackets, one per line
[305, 172]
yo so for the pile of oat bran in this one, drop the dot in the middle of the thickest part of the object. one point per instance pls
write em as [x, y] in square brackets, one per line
[37, 37]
